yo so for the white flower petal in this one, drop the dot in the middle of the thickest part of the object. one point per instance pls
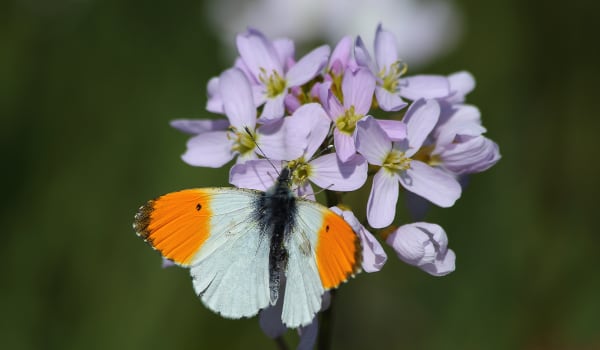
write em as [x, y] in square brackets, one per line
[433, 184]
[238, 101]
[274, 108]
[371, 141]
[257, 174]
[199, 126]
[210, 149]
[386, 48]
[328, 172]
[424, 245]
[308, 66]
[311, 122]
[258, 52]
[420, 119]
[381, 208]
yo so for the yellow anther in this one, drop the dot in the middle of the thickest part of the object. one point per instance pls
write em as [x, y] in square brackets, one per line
[396, 161]
[391, 76]
[347, 122]
[243, 142]
[301, 171]
[274, 83]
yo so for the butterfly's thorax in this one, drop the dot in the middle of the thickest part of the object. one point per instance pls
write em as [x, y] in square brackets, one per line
[276, 213]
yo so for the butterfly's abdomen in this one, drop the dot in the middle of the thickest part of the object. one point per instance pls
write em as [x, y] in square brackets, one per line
[276, 214]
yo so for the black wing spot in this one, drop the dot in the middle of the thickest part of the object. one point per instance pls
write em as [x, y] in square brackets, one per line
[198, 206]
[327, 228]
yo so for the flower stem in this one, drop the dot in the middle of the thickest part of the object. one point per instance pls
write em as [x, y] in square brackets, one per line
[326, 319]
[281, 344]
[326, 325]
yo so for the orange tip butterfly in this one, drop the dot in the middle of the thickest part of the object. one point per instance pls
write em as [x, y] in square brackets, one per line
[239, 243]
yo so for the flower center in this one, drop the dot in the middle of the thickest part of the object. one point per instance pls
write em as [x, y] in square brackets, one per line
[243, 142]
[396, 161]
[301, 171]
[274, 83]
[390, 78]
[347, 122]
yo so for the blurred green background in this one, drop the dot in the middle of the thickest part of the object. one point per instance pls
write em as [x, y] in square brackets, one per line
[88, 89]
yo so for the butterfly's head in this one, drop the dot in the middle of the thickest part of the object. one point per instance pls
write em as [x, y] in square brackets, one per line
[285, 177]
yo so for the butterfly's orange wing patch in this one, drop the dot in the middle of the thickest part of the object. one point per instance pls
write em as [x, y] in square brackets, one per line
[338, 250]
[176, 224]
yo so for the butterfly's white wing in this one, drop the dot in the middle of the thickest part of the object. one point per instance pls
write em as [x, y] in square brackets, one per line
[323, 252]
[213, 231]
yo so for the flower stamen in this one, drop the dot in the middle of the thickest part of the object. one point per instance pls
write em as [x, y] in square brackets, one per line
[396, 161]
[347, 122]
[274, 83]
[243, 143]
[301, 171]
[391, 78]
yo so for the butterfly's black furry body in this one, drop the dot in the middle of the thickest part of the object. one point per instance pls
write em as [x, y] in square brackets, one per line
[275, 213]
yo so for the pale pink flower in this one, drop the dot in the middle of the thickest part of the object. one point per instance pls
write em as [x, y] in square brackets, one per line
[214, 145]
[273, 73]
[310, 125]
[423, 245]
[389, 69]
[398, 166]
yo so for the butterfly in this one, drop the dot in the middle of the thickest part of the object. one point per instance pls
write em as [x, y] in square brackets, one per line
[239, 244]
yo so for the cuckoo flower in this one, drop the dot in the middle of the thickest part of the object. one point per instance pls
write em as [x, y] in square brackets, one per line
[215, 101]
[341, 58]
[457, 142]
[268, 68]
[312, 116]
[389, 69]
[214, 147]
[423, 245]
[457, 146]
[461, 83]
[199, 126]
[357, 92]
[309, 122]
[340, 61]
[398, 166]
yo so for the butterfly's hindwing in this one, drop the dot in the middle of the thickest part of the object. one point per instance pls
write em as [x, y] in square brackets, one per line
[239, 243]
[324, 251]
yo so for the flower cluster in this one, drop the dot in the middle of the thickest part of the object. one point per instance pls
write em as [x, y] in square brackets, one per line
[315, 115]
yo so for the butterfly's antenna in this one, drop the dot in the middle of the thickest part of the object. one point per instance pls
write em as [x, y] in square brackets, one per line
[321, 151]
[323, 189]
[262, 153]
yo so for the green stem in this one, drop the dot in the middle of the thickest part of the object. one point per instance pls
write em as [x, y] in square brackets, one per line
[326, 319]
[281, 344]
[326, 325]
